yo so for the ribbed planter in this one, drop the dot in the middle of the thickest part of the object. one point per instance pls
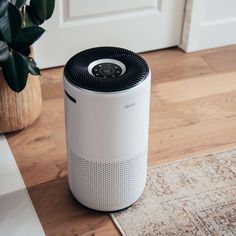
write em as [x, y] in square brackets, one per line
[19, 110]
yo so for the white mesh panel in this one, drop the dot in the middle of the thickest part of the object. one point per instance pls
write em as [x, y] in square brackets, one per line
[107, 186]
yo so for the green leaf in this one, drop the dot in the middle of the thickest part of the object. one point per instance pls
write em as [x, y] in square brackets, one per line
[31, 18]
[43, 8]
[18, 3]
[10, 23]
[24, 51]
[4, 51]
[3, 7]
[26, 20]
[27, 36]
[15, 70]
[33, 69]
[1, 37]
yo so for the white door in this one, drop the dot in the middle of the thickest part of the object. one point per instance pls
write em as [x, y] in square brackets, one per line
[139, 25]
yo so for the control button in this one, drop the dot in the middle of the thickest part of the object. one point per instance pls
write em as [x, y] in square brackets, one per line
[107, 70]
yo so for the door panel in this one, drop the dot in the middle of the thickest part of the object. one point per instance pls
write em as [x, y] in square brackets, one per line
[139, 25]
[88, 8]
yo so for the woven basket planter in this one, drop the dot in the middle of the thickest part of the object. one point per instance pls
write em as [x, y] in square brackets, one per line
[19, 110]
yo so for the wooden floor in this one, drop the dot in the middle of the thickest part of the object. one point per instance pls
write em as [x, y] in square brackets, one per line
[193, 110]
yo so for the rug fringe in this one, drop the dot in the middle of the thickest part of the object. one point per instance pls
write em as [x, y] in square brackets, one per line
[118, 226]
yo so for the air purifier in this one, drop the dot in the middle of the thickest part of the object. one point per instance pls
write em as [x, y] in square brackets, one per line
[107, 93]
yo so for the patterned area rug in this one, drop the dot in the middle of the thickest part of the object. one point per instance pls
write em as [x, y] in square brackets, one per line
[195, 196]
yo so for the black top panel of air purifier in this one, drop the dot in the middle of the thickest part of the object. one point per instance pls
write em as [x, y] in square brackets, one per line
[106, 76]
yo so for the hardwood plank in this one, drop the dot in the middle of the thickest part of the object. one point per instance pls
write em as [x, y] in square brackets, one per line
[61, 214]
[40, 149]
[52, 83]
[171, 144]
[222, 61]
[47, 162]
[222, 50]
[71, 226]
[189, 112]
[192, 88]
[174, 64]
[55, 73]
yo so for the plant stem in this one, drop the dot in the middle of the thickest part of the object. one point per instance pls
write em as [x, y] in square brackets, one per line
[23, 10]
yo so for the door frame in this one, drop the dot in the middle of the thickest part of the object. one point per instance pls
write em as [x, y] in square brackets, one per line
[201, 34]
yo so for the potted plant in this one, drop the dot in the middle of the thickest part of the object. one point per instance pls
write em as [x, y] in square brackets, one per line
[20, 92]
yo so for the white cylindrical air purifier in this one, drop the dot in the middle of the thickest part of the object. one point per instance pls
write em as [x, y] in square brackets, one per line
[107, 93]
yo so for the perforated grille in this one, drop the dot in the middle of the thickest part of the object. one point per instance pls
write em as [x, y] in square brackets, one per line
[107, 186]
[76, 69]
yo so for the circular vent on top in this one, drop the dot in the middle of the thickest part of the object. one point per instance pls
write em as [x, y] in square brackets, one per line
[106, 69]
